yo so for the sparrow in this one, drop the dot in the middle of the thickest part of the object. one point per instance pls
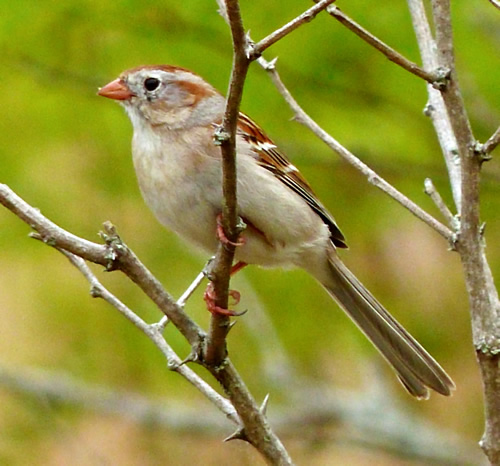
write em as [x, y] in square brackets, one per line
[174, 114]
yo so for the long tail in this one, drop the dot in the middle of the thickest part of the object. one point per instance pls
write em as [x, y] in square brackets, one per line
[416, 368]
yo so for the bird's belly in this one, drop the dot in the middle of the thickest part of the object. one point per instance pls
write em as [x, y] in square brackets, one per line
[281, 230]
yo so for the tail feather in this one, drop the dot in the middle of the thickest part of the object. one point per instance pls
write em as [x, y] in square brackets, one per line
[416, 369]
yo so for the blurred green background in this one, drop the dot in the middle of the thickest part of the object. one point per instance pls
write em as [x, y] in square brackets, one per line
[67, 152]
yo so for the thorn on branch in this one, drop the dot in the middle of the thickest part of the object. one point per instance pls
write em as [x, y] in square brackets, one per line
[239, 434]
[482, 229]
[265, 403]
[271, 65]
[193, 356]
[250, 52]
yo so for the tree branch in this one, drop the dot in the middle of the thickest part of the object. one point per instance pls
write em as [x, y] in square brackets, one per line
[435, 107]
[302, 117]
[154, 333]
[389, 52]
[431, 191]
[483, 296]
[215, 350]
[256, 50]
[115, 255]
[490, 145]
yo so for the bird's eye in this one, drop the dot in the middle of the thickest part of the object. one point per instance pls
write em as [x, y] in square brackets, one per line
[151, 83]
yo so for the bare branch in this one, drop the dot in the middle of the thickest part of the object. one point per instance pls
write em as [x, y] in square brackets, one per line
[389, 52]
[483, 296]
[443, 208]
[215, 350]
[435, 107]
[490, 145]
[373, 177]
[255, 428]
[114, 255]
[257, 49]
[153, 332]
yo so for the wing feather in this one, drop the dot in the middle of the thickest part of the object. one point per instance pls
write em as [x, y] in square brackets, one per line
[269, 157]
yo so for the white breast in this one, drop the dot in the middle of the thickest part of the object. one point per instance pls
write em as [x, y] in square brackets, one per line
[181, 183]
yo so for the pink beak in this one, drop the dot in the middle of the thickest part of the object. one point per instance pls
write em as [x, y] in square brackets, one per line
[116, 90]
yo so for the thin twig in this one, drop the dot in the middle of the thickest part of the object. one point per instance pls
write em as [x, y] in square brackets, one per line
[184, 297]
[152, 332]
[490, 145]
[191, 289]
[373, 177]
[256, 50]
[114, 255]
[389, 52]
[431, 191]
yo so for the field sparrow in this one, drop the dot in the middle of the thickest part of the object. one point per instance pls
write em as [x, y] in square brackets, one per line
[174, 113]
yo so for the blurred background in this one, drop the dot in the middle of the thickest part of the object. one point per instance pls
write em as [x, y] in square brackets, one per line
[67, 152]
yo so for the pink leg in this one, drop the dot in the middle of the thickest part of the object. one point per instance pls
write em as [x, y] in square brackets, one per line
[237, 267]
[222, 236]
[210, 298]
[209, 295]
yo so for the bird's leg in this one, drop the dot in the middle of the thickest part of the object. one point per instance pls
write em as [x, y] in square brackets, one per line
[222, 236]
[210, 298]
[209, 295]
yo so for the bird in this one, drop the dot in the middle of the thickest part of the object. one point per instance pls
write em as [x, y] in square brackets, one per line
[174, 113]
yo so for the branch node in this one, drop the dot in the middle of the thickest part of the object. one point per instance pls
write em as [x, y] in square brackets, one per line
[454, 239]
[332, 9]
[431, 191]
[442, 78]
[480, 150]
[115, 245]
[95, 291]
[161, 325]
[49, 240]
[429, 109]
[250, 51]
[221, 136]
